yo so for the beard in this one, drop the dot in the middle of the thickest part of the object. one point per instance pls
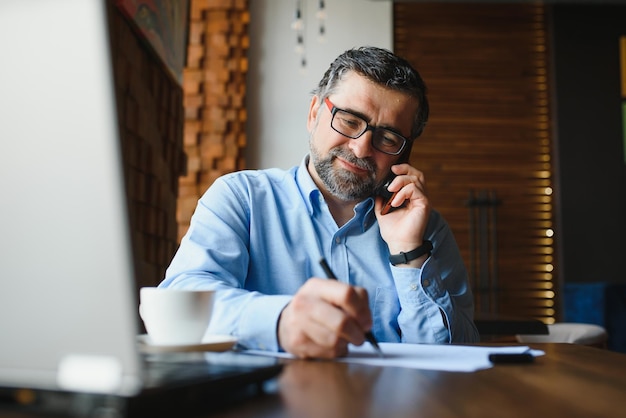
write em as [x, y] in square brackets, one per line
[344, 184]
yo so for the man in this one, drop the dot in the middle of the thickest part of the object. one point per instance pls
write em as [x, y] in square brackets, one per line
[257, 236]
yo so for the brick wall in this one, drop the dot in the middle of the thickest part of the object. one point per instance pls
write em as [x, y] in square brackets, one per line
[214, 98]
[176, 139]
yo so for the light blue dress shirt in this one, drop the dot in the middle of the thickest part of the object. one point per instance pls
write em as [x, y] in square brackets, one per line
[257, 236]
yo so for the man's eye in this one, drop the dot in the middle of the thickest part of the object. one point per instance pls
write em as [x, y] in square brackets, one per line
[351, 123]
[389, 140]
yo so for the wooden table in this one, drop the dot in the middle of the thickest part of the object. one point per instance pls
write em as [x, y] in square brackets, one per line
[569, 381]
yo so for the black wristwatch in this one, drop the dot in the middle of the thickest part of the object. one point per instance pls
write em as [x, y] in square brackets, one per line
[404, 258]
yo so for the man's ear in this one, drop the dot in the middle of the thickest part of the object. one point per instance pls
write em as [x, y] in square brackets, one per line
[314, 108]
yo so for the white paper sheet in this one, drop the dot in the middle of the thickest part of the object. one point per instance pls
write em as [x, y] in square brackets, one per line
[454, 358]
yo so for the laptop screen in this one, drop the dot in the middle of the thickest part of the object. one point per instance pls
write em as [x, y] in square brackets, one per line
[68, 298]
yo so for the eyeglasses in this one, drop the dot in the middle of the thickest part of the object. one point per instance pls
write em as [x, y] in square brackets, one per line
[353, 126]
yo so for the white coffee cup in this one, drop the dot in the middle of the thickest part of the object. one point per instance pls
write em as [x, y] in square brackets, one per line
[175, 316]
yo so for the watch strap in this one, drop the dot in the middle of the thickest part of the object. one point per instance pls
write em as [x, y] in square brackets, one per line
[404, 258]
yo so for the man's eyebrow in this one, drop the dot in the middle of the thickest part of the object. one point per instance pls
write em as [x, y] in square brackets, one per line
[367, 119]
[356, 113]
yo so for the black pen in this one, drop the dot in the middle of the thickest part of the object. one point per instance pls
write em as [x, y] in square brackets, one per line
[368, 335]
[512, 358]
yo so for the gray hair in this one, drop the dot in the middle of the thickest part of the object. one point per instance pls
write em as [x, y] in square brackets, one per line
[384, 68]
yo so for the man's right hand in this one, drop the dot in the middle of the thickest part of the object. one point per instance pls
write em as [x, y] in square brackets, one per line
[323, 317]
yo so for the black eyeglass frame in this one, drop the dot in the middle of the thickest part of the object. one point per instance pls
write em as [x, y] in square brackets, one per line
[334, 109]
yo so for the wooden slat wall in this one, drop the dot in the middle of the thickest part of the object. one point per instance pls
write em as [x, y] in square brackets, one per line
[150, 116]
[486, 69]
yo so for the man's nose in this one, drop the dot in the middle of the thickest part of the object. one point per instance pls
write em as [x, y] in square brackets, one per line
[361, 147]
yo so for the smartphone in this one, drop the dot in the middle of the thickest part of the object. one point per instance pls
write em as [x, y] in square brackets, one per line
[386, 194]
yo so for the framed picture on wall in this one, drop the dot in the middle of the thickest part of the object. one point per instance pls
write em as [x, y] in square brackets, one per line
[163, 23]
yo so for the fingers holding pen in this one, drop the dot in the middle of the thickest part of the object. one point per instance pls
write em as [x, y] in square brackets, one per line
[323, 317]
[350, 300]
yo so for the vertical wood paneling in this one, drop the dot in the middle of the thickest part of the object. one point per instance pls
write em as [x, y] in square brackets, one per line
[486, 69]
[150, 115]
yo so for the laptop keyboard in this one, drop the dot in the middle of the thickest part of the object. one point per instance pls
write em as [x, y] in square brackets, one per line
[190, 368]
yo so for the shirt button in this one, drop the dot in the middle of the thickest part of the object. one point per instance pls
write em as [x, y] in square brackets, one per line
[413, 286]
[426, 282]
[337, 240]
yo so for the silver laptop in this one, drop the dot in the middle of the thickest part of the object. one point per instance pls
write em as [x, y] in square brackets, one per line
[68, 308]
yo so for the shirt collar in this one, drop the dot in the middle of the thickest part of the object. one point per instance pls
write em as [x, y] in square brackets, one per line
[309, 190]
